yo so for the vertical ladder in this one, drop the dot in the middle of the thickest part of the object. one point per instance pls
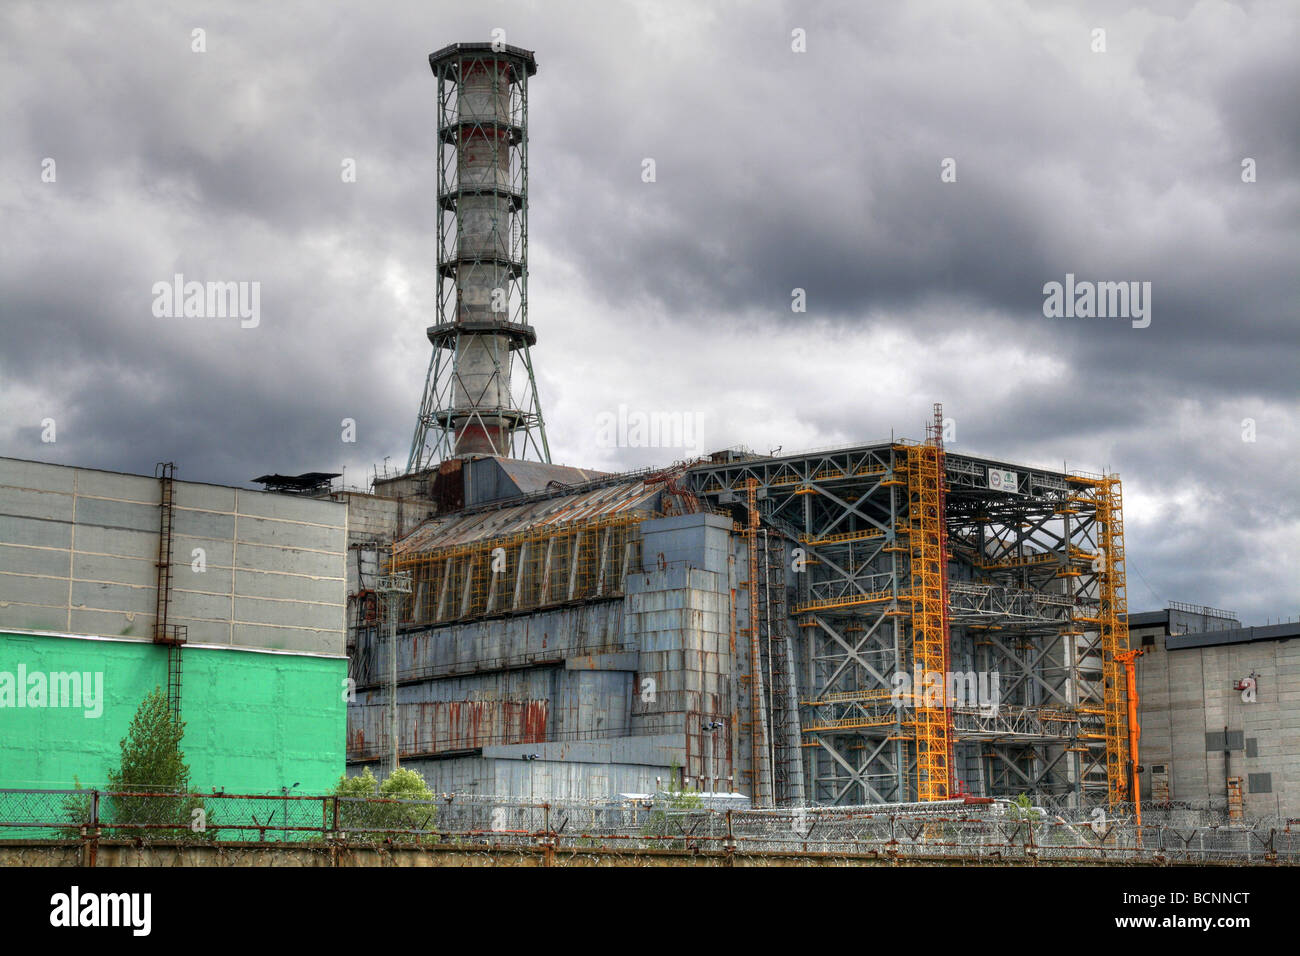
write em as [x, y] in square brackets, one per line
[174, 679]
[1235, 807]
[170, 635]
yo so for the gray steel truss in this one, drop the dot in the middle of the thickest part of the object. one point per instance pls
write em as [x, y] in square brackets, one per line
[1022, 606]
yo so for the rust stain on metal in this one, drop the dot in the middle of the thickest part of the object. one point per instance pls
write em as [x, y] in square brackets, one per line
[432, 727]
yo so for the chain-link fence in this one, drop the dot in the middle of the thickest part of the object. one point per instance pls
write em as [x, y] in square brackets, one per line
[1001, 831]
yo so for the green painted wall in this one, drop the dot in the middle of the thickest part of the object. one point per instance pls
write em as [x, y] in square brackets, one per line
[253, 722]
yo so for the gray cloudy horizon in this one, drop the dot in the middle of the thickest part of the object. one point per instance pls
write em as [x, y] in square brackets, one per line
[775, 170]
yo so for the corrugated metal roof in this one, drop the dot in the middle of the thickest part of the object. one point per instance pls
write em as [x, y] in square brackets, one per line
[533, 476]
[625, 497]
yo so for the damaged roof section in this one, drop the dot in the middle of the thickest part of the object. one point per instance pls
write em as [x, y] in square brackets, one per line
[635, 495]
[493, 479]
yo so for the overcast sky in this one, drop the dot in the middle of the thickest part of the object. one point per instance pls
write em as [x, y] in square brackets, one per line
[774, 170]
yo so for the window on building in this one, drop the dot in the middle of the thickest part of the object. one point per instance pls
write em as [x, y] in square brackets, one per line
[1261, 783]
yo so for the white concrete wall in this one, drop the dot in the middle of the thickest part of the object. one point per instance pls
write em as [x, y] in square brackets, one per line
[1185, 694]
[78, 553]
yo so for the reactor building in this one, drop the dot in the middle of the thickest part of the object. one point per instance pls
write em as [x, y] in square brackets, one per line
[884, 622]
[887, 622]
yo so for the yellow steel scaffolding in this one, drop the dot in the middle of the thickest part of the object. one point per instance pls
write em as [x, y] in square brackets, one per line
[1105, 495]
[928, 531]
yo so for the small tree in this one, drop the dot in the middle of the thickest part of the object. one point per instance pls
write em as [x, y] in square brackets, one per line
[153, 763]
[1022, 808]
[677, 803]
[76, 810]
[359, 809]
[1021, 811]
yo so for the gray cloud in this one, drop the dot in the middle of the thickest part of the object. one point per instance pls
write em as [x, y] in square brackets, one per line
[775, 170]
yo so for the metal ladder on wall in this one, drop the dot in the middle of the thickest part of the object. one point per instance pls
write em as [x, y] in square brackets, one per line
[776, 647]
[171, 636]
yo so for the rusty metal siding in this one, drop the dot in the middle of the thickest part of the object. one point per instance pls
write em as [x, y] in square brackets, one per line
[545, 638]
[432, 727]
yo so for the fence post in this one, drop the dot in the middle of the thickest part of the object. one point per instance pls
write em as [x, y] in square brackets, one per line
[730, 846]
[92, 847]
[336, 815]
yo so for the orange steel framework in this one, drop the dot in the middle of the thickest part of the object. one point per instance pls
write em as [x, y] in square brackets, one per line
[930, 650]
[1104, 494]
[1127, 658]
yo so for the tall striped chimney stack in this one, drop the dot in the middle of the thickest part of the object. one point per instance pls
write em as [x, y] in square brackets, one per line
[480, 396]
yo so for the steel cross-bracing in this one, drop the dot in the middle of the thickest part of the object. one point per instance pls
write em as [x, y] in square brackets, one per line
[1034, 612]
[480, 394]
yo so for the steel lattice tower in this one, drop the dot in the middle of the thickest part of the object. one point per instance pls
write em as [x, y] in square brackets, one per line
[480, 396]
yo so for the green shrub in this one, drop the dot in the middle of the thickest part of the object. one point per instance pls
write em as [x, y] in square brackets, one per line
[360, 809]
[665, 819]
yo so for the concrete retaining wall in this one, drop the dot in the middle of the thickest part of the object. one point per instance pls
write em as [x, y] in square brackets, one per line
[118, 854]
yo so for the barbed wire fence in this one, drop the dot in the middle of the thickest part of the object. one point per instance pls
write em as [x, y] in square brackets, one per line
[957, 830]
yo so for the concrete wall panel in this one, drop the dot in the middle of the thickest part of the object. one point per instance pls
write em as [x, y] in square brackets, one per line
[15, 529]
[16, 473]
[111, 549]
[203, 524]
[97, 567]
[107, 484]
[287, 534]
[290, 508]
[35, 561]
[28, 589]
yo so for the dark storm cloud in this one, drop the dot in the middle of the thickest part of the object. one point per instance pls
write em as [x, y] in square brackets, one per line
[775, 170]
[826, 178]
